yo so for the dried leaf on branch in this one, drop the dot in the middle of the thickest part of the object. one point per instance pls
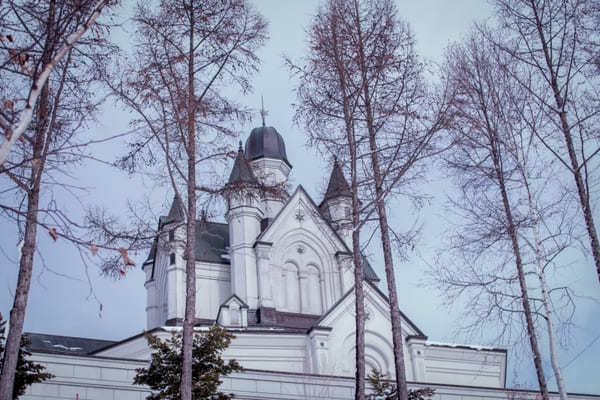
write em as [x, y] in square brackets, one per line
[126, 260]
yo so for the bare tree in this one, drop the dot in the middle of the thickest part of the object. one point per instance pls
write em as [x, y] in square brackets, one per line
[187, 52]
[38, 56]
[400, 119]
[327, 107]
[13, 128]
[379, 94]
[507, 188]
[557, 41]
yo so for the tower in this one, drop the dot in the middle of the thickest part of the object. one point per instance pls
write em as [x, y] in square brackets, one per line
[244, 216]
[165, 270]
[337, 204]
[265, 151]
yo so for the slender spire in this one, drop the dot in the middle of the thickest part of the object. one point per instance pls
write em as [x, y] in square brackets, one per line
[240, 149]
[263, 113]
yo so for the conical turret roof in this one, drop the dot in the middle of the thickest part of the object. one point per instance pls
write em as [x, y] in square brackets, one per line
[176, 213]
[241, 171]
[338, 186]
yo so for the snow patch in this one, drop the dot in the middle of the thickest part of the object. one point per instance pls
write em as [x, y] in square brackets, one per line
[455, 345]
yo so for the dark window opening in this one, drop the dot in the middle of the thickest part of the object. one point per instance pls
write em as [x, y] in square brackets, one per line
[171, 236]
[172, 258]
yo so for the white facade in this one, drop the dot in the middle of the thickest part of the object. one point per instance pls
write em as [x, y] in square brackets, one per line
[98, 378]
[279, 275]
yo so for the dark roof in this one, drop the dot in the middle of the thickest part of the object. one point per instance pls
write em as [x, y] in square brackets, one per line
[57, 344]
[338, 186]
[265, 141]
[212, 242]
[176, 213]
[241, 171]
[369, 274]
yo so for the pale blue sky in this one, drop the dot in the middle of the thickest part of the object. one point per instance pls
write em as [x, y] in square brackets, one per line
[60, 305]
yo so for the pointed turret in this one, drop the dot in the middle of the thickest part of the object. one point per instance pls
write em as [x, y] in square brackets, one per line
[241, 171]
[176, 213]
[338, 186]
[337, 203]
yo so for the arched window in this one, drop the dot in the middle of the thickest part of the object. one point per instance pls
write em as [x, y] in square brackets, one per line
[313, 288]
[292, 288]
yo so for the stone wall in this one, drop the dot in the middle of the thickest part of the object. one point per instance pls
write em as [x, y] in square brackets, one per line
[98, 378]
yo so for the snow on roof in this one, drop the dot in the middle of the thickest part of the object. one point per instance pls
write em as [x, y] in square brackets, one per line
[462, 346]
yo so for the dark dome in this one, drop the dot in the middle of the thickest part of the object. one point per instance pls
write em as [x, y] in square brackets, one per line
[265, 142]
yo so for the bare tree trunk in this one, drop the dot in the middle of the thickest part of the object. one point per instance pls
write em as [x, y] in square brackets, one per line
[400, 370]
[583, 193]
[190, 245]
[359, 306]
[512, 233]
[360, 313]
[560, 383]
[395, 316]
[17, 313]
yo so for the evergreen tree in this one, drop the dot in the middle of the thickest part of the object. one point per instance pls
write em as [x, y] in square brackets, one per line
[383, 389]
[163, 375]
[27, 372]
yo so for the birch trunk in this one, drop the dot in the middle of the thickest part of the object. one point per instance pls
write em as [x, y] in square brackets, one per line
[17, 313]
[512, 233]
[16, 130]
[560, 383]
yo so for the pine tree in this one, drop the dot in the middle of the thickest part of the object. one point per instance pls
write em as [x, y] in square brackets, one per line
[27, 372]
[383, 389]
[163, 375]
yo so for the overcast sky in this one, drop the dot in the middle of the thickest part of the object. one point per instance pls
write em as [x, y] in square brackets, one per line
[60, 301]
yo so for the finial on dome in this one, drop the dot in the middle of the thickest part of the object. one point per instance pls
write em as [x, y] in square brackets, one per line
[263, 113]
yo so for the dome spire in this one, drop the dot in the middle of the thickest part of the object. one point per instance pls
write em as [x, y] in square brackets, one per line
[263, 113]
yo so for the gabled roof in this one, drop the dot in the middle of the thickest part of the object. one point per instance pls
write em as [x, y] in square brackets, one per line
[300, 190]
[233, 298]
[241, 171]
[338, 186]
[350, 292]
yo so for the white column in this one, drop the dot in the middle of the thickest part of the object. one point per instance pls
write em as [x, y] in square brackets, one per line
[304, 292]
[319, 346]
[265, 291]
[244, 228]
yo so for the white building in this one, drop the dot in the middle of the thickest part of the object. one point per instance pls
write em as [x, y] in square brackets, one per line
[279, 275]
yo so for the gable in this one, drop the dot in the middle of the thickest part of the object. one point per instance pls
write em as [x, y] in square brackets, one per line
[301, 212]
[375, 302]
